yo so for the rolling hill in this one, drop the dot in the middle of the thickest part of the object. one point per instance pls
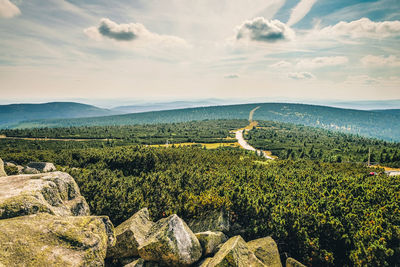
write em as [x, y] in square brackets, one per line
[377, 124]
[13, 114]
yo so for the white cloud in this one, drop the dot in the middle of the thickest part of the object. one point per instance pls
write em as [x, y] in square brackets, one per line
[300, 11]
[320, 62]
[362, 28]
[231, 76]
[281, 65]
[380, 61]
[8, 9]
[262, 30]
[301, 75]
[132, 32]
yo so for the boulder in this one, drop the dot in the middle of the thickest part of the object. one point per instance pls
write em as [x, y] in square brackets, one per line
[266, 251]
[171, 242]
[142, 263]
[290, 262]
[55, 193]
[130, 235]
[29, 170]
[217, 220]
[210, 241]
[42, 166]
[2, 172]
[234, 253]
[47, 240]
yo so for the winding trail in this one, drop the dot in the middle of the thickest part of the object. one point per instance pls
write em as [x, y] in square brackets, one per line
[243, 143]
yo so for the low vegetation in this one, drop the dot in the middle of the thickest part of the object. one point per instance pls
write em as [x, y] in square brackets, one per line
[322, 211]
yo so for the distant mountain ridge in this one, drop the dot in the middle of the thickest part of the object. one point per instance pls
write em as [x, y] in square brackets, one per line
[15, 113]
[377, 124]
[158, 106]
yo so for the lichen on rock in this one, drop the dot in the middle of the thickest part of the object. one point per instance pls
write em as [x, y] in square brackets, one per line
[235, 253]
[48, 240]
[210, 241]
[54, 193]
[130, 235]
[171, 242]
[216, 220]
[266, 251]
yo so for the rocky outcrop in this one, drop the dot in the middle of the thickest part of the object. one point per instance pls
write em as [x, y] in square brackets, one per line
[44, 221]
[55, 193]
[290, 262]
[49, 240]
[171, 242]
[266, 251]
[2, 172]
[234, 252]
[217, 220]
[42, 166]
[210, 241]
[130, 235]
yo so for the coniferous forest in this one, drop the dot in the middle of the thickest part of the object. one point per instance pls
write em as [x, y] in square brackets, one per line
[318, 199]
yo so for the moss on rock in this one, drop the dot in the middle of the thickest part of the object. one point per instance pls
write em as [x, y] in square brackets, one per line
[266, 251]
[130, 235]
[235, 253]
[215, 220]
[55, 193]
[47, 240]
[210, 241]
[171, 242]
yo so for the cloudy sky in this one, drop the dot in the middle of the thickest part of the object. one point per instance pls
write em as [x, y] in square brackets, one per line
[301, 49]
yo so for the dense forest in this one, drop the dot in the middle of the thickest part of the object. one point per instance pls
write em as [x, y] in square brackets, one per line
[289, 141]
[322, 213]
[377, 124]
[210, 131]
[284, 140]
[322, 210]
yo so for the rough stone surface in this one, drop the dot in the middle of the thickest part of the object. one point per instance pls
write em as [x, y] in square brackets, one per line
[142, 263]
[217, 220]
[210, 241]
[290, 262]
[48, 240]
[130, 235]
[54, 193]
[266, 251]
[2, 172]
[42, 166]
[203, 262]
[171, 242]
[29, 170]
[234, 253]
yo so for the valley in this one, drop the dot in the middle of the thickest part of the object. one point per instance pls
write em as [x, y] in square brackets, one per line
[310, 193]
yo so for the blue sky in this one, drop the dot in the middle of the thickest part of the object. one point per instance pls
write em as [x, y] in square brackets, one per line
[176, 49]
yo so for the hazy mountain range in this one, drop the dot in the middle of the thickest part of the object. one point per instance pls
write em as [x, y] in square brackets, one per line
[383, 124]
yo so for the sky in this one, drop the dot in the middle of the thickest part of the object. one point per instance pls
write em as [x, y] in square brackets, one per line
[192, 49]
